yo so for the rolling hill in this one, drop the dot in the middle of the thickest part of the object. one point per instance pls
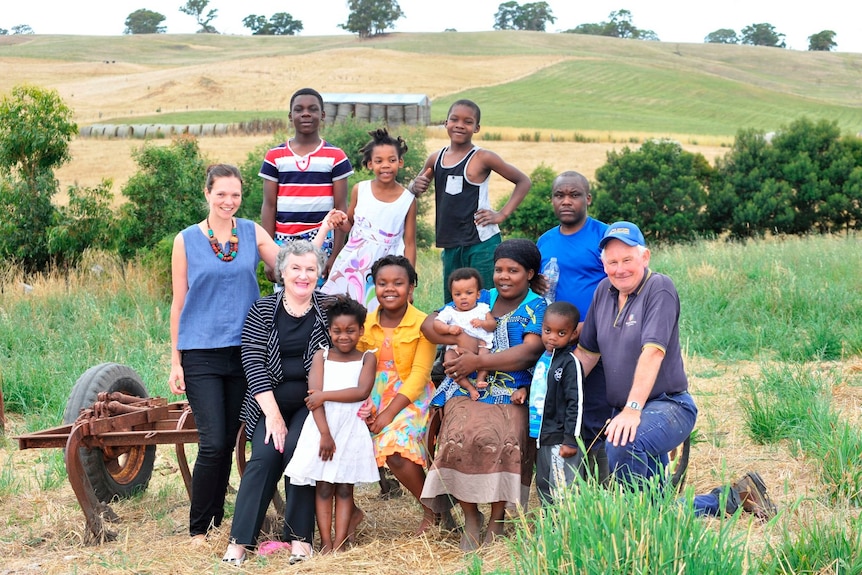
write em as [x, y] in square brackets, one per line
[522, 80]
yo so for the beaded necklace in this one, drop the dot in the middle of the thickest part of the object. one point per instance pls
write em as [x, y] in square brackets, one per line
[234, 242]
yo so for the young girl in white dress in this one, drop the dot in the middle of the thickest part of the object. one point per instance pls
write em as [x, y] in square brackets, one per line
[334, 450]
[381, 220]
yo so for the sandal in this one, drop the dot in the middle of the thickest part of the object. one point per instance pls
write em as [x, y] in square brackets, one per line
[230, 559]
[296, 557]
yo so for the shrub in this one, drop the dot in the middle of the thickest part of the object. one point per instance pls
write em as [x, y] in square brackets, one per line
[166, 195]
[87, 222]
[534, 216]
[660, 187]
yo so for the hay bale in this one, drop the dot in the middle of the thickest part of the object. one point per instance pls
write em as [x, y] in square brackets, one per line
[220, 129]
[378, 113]
[84, 131]
[124, 131]
[411, 114]
[345, 111]
[362, 112]
[207, 129]
[395, 115]
[331, 111]
[138, 130]
[193, 130]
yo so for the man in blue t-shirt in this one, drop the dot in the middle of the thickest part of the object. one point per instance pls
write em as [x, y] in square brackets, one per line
[575, 244]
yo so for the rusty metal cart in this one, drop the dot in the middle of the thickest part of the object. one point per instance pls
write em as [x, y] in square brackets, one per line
[110, 432]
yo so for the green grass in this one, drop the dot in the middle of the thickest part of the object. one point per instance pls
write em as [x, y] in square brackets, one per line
[597, 531]
[794, 404]
[774, 299]
[603, 84]
[641, 96]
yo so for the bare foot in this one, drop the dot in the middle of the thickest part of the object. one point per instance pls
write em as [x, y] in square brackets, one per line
[197, 541]
[355, 519]
[428, 519]
[471, 534]
[495, 530]
[481, 384]
[474, 394]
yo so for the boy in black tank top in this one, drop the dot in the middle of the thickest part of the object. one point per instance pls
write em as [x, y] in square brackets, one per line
[466, 225]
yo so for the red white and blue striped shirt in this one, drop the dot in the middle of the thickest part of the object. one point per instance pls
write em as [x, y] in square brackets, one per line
[304, 185]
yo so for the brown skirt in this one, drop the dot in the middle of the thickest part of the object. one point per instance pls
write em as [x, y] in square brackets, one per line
[483, 455]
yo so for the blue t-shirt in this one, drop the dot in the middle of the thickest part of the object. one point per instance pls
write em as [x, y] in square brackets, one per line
[220, 293]
[579, 258]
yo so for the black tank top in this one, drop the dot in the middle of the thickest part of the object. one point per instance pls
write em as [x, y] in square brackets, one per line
[457, 202]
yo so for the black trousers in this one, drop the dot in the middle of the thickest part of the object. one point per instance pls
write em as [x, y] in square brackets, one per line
[262, 473]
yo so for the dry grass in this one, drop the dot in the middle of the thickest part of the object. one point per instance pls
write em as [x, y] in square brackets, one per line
[44, 532]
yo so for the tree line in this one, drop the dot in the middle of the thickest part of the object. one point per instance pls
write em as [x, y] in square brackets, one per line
[373, 17]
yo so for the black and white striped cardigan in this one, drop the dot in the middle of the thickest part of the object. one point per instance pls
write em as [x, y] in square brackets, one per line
[261, 359]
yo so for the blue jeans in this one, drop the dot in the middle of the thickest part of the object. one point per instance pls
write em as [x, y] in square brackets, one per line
[666, 421]
[215, 387]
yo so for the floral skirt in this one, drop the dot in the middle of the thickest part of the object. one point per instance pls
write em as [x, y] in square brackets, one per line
[405, 435]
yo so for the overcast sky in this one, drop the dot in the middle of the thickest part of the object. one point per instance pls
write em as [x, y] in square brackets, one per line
[671, 20]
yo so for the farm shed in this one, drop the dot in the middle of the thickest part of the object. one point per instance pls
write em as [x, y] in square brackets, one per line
[389, 109]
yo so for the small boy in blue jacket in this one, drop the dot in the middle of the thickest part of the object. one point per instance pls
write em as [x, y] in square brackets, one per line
[556, 403]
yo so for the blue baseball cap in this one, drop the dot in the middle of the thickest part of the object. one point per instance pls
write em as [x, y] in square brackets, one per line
[626, 232]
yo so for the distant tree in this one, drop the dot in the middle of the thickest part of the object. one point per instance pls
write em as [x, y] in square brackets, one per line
[196, 9]
[722, 36]
[591, 29]
[144, 21]
[823, 41]
[4, 32]
[531, 16]
[22, 29]
[371, 17]
[619, 26]
[35, 130]
[762, 35]
[280, 24]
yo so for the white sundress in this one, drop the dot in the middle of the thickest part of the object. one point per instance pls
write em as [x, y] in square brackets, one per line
[378, 230]
[353, 461]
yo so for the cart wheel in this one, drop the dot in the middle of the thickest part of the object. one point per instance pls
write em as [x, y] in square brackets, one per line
[678, 463]
[124, 471]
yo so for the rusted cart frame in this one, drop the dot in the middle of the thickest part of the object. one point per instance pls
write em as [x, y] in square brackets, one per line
[120, 426]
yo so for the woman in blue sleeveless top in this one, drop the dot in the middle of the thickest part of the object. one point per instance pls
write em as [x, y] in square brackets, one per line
[213, 270]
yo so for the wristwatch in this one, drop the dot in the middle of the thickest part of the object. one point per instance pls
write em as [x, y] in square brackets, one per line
[635, 405]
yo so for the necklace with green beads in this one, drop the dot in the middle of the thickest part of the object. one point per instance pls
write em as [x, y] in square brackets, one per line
[217, 249]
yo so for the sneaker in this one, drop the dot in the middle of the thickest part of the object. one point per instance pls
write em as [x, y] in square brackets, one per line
[753, 495]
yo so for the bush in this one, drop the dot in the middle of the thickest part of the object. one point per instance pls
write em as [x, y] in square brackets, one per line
[660, 187]
[25, 221]
[805, 178]
[166, 195]
[87, 222]
[535, 215]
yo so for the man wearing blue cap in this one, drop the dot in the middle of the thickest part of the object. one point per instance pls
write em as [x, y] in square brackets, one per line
[633, 325]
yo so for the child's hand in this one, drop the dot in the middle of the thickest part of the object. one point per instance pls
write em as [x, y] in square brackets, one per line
[421, 183]
[519, 396]
[314, 399]
[476, 322]
[327, 447]
[568, 451]
[455, 330]
[383, 419]
[366, 410]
